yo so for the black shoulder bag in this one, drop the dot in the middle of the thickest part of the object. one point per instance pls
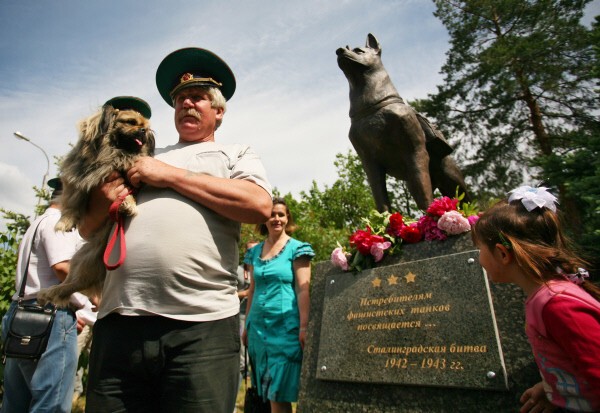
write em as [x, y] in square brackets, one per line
[30, 325]
[253, 403]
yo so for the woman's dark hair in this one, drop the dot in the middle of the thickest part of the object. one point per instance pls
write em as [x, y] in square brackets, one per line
[291, 225]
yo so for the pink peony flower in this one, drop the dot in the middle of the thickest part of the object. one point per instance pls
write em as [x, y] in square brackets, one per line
[428, 227]
[453, 223]
[378, 248]
[339, 258]
[395, 225]
[411, 233]
[441, 205]
[473, 219]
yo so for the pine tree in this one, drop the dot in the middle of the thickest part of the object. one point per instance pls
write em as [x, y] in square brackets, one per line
[518, 77]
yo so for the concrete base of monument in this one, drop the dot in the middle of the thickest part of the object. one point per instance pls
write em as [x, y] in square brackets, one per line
[425, 332]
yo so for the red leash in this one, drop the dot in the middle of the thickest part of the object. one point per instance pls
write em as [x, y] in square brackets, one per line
[118, 233]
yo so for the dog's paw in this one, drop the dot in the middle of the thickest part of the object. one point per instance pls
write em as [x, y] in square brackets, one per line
[42, 297]
[54, 295]
[128, 207]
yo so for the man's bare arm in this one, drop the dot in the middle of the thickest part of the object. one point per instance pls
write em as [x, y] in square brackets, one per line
[236, 199]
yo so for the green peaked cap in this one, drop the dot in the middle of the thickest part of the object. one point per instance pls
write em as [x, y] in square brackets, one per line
[132, 103]
[193, 66]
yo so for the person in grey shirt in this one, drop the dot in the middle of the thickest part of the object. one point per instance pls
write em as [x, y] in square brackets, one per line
[167, 336]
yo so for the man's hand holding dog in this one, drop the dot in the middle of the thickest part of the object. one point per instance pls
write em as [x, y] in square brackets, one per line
[99, 203]
[150, 171]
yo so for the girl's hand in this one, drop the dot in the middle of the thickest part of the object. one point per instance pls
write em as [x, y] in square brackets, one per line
[534, 400]
[245, 337]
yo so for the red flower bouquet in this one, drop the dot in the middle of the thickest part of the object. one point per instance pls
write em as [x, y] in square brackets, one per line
[385, 233]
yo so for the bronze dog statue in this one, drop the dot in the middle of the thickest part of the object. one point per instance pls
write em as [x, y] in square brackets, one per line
[390, 137]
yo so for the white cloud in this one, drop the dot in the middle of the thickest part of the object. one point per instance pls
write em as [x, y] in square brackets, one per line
[22, 197]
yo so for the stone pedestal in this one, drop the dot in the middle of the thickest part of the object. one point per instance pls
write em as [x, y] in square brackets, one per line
[418, 334]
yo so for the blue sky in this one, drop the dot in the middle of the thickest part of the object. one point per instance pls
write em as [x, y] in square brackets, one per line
[61, 60]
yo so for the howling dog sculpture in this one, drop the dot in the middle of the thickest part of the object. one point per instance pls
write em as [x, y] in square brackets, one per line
[390, 137]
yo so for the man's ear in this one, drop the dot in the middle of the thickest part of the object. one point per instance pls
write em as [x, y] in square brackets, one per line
[505, 254]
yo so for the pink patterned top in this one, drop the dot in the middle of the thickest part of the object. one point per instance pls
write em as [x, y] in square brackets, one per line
[563, 327]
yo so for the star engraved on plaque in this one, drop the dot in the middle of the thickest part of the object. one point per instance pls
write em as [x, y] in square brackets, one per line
[410, 277]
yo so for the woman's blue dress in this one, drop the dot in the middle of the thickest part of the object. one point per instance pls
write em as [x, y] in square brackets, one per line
[273, 325]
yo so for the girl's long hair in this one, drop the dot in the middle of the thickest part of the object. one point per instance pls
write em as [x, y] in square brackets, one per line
[536, 239]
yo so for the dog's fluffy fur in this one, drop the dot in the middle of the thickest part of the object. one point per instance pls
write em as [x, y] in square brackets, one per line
[110, 140]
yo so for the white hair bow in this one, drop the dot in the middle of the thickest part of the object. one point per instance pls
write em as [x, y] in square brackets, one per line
[533, 198]
[577, 278]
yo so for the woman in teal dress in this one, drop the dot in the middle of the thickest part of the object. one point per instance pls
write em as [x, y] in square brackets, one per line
[278, 306]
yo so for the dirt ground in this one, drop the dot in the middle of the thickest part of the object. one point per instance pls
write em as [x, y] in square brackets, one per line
[79, 405]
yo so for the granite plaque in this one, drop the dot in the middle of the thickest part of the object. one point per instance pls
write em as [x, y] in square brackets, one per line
[428, 322]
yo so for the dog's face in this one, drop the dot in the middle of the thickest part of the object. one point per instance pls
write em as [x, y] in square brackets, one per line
[129, 131]
[355, 62]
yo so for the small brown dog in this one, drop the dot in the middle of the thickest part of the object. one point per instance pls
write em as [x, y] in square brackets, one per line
[110, 140]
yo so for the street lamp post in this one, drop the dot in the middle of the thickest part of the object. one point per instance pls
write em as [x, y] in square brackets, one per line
[19, 135]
